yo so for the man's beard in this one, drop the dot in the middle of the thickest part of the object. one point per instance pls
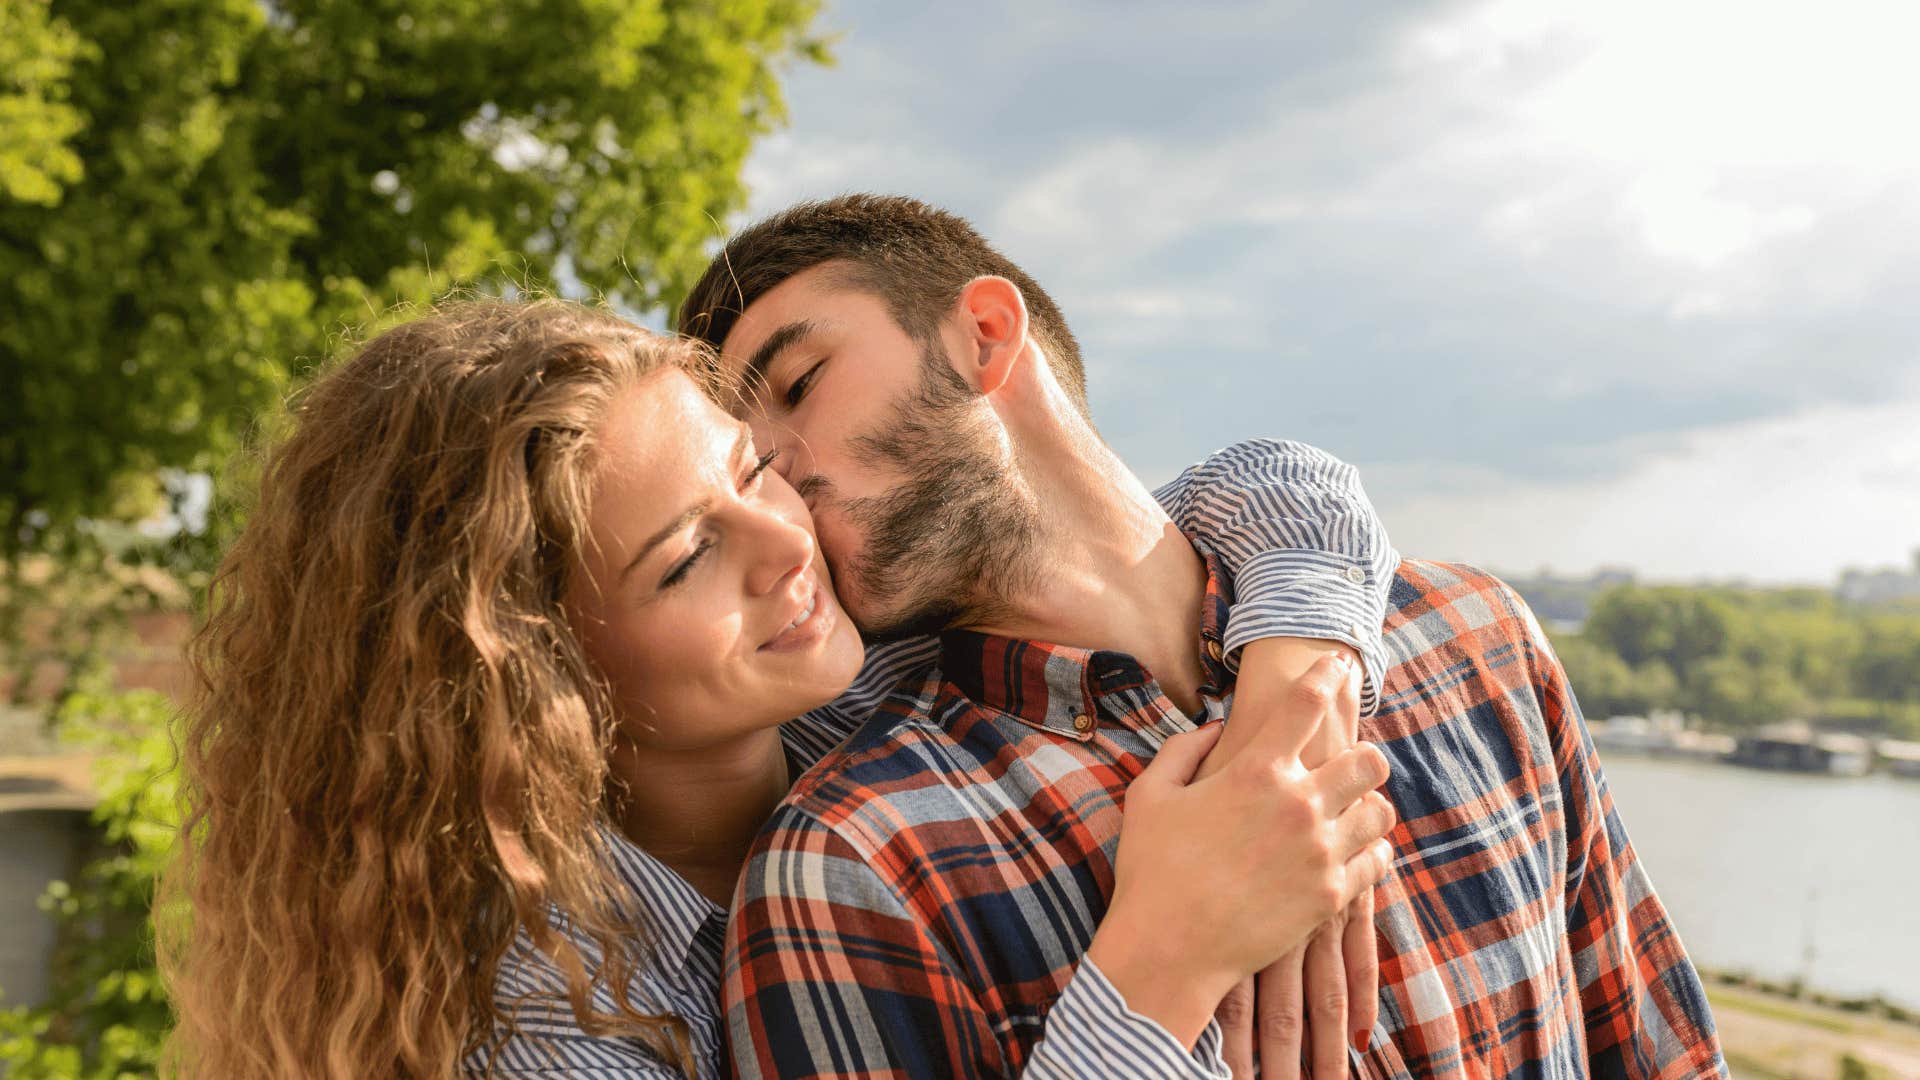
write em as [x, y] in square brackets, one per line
[949, 544]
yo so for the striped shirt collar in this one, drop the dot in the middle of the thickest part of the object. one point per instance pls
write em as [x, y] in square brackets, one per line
[1059, 688]
[668, 911]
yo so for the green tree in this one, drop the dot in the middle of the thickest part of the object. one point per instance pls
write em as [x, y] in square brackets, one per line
[108, 1013]
[1630, 621]
[1888, 666]
[1603, 681]
[1679, 627]
[1608, 686]
[36, 64]
[196, 195]
[1737, 657]
[1727, 692]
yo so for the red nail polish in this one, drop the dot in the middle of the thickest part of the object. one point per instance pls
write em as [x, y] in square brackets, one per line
[1362, 1040]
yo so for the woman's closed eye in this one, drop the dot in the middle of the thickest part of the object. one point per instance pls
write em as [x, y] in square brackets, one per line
[685, 566]
[681, 569]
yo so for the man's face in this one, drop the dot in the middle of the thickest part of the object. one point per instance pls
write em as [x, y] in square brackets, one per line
[899, 458]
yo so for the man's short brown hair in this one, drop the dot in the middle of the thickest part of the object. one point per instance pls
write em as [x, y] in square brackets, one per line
[916, 258]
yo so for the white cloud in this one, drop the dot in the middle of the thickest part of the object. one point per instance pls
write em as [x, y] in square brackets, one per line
[1545, 249]
[1792, 499]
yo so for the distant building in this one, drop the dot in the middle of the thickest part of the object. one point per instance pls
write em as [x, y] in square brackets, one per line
[47, 796]
[45, 834]
[1884, 586]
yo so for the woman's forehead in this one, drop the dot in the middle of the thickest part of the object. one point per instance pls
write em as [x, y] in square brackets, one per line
[664, 428]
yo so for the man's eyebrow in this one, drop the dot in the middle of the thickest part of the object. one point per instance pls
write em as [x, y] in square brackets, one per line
[691, 513]
[777, 342]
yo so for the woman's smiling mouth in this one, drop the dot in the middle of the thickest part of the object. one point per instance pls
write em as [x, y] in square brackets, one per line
[809, 626]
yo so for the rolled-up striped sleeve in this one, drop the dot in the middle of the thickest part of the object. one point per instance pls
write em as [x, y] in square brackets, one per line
[1307, 553]
[1291, 523]
[1091, 1033]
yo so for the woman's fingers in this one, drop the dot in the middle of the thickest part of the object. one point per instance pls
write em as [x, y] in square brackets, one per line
[1282, 1020]
[1235, 1016]
[1362, 956]
[1365, 870]
[1350, 774]
[1327, 1002]
[1364, 822]
[1180, 757]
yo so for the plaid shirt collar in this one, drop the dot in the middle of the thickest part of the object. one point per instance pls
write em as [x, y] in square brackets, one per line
[1060, 688]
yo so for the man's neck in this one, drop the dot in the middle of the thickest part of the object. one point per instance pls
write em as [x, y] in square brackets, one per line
[1111, 570]
[698, 811]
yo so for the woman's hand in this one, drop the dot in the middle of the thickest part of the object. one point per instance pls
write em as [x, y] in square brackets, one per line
[1216, 878]
[1324, 995]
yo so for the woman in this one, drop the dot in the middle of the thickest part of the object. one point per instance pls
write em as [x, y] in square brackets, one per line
[455, 774]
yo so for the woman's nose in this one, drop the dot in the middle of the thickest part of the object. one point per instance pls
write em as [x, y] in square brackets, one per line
[781, 547]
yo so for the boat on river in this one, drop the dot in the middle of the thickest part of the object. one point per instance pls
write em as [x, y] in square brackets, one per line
[1798, 748]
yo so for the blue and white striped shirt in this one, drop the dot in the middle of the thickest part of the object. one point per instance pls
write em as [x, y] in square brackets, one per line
[1309, 558]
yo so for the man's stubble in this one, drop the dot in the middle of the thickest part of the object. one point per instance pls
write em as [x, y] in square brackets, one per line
[952, 543]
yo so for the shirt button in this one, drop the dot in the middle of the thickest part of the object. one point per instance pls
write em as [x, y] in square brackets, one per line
[1214, 650]
[1356, 630]
[1356, 575]
[1082, 722]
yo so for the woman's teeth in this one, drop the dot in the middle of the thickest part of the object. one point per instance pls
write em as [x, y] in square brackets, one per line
[802, 617]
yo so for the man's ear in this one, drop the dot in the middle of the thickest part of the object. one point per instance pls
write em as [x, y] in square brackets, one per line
[994, 318]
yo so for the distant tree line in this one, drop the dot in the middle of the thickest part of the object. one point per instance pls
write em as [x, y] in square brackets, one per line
[1735, 658]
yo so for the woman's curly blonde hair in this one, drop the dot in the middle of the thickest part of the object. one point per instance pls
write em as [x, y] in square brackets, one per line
[397, 759]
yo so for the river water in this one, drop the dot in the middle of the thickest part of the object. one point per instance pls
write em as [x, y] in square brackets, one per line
[1783, 875]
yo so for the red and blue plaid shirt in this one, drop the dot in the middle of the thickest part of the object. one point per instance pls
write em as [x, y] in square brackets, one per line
[926, 893]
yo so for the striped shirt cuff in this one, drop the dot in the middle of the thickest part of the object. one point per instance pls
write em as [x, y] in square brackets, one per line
[1312, 594]
[1092, 1034]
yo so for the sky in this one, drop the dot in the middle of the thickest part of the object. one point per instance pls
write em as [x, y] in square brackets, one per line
[1574, 285]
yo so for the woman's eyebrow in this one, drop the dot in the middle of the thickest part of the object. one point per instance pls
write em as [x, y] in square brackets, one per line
[742, 437]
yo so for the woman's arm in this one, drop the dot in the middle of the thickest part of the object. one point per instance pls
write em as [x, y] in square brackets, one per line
[1307, 555]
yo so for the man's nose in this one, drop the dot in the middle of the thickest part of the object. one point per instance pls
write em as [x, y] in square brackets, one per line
[780, 548]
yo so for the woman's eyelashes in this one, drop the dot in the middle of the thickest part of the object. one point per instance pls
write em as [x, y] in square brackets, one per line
[760, 466]
[801, 385]
[685, 566]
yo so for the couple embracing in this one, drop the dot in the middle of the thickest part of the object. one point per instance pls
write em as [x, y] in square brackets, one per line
[765, 700]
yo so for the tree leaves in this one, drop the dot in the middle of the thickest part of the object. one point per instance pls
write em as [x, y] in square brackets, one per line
[197, 197]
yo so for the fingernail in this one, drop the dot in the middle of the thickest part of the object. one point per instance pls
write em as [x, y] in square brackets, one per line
[1362, 1040]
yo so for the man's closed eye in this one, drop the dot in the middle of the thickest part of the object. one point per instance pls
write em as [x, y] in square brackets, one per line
[801, 385]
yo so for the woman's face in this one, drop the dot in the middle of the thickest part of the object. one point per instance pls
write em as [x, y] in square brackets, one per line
[701, 593]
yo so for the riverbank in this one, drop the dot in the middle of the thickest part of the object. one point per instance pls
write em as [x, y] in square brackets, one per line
[1769, 1033]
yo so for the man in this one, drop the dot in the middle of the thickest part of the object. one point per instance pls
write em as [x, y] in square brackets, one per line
[933, 402]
